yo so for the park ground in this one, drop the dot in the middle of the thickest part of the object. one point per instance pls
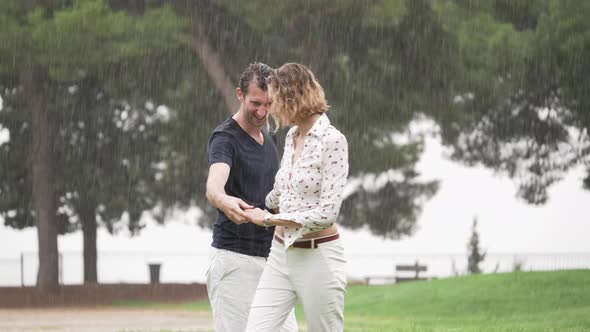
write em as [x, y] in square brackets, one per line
[512, 302]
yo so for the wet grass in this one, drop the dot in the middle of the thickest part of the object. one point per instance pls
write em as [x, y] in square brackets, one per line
[512, 302]
[531, 301]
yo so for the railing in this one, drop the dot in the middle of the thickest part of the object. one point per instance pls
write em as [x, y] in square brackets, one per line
[113, 267]
[189, 267]
[447, 265]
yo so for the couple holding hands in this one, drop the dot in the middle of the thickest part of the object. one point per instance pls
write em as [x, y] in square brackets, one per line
[275, 241]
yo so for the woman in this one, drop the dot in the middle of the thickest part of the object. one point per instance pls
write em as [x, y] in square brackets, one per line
[306, 261]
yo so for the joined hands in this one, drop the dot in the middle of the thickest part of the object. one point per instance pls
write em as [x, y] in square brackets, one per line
[241, 212]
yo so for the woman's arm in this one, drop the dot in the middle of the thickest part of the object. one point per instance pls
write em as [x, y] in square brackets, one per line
[265, 218]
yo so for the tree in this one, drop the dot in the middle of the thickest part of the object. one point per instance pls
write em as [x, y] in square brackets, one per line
[522, 102]
[363, 54]
[476, 256]
[74, 63]
[27, 72]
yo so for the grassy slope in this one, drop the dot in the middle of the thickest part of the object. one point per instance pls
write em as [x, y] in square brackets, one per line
[531, 301]
[524, 302]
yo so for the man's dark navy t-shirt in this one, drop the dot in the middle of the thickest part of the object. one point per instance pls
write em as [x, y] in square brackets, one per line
[252, 174]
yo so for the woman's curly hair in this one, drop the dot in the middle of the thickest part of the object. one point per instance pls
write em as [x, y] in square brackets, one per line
[295, 93]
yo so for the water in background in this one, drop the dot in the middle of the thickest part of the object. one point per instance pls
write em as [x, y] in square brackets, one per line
[187, 267]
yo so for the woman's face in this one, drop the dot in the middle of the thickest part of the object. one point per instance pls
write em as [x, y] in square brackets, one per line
[271, 95]
[275, 107]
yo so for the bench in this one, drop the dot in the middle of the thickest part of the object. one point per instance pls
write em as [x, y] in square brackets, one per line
[416, 268]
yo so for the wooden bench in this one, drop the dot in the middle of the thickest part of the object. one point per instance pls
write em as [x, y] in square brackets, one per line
[416, 268]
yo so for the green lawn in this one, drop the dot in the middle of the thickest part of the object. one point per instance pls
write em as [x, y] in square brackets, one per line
[522, 301]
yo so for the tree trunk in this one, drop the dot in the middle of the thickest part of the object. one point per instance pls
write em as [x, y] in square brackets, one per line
[89, 226]
[212, 63]
[211, 60]
[42, 182]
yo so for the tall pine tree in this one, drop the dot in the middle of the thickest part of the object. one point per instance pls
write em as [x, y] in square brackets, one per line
[476, 255]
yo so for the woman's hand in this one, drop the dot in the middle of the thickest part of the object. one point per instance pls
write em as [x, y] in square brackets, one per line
[256, 216]
[235, 209]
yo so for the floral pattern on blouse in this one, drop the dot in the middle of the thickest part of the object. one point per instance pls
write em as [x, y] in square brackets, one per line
[309, 191]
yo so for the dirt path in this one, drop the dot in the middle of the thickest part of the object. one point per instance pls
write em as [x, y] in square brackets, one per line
[103, 320]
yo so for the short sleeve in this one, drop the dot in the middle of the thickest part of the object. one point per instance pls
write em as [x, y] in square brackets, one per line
[220, 149]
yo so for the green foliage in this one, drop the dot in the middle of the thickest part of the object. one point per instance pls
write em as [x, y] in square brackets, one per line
[196, 109]
[391, 210]
[83, 37]
[104, 74]
[562, 52]
[517, 110]
[260, 15]
[385, 12]
[475, 253]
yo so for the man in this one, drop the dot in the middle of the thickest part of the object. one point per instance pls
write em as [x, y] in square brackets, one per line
[243, 162]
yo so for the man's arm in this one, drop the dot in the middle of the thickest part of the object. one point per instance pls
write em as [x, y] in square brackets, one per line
[232, 207]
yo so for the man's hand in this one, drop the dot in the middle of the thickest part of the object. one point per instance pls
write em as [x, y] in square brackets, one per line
[234, 208]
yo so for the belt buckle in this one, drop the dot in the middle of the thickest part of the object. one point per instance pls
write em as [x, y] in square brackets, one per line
[310, 244]
[305, 244]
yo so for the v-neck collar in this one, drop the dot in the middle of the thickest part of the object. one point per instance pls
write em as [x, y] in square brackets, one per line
[248, 135]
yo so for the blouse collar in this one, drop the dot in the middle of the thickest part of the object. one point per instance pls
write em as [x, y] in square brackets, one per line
[318, 128]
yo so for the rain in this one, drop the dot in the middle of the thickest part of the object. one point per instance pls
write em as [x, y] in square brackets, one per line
[106, 107]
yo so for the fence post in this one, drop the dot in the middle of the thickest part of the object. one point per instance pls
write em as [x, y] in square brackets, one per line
[22, 269]
[59, 265]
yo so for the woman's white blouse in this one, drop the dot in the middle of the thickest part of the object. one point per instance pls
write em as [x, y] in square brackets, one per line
[309, 192]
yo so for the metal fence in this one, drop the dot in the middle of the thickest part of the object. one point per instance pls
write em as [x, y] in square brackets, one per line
[447, 265]
[187, 267]
[113, 267]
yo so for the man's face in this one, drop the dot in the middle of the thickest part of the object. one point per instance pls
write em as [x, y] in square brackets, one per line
[255, 104]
